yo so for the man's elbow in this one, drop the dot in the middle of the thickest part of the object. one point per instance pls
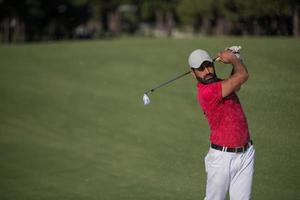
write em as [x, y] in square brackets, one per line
[245, 77]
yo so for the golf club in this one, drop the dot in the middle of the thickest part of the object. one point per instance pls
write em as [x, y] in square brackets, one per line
[146, 98]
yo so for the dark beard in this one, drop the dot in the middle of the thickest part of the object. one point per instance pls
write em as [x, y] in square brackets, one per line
[213, 79]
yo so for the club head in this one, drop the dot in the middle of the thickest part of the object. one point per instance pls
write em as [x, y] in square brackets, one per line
[146, 100]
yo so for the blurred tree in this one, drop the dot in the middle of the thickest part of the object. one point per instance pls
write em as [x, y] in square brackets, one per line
[296, 21]
[129, 18]
[12, 26]
[62, 19]
[203, 15]
[194, 13]
[259, 17]
[43, 19]
[162, 12]
[268, 17]
[291, 8]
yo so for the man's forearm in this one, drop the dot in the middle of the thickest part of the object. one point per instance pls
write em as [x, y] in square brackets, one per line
[239, 70]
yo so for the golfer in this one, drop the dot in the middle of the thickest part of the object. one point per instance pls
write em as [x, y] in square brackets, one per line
[229, 163]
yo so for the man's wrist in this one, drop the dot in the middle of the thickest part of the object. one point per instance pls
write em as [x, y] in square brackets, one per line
[236, 61]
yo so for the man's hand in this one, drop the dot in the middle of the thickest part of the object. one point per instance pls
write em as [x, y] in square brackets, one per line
[227, 57]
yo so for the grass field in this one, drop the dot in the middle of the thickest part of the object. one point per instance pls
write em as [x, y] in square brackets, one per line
[73, 126]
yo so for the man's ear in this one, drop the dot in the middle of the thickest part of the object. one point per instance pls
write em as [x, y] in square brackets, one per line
[193, 73]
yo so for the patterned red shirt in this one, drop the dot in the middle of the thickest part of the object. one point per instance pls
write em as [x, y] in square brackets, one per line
[226, 118]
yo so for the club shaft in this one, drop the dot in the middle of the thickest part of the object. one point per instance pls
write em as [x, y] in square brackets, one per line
[167, 82]
[170, 81]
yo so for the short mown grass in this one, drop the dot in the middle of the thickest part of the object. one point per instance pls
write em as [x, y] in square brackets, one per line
[73, 126]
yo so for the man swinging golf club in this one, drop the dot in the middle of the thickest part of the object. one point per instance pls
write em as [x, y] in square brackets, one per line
[229, 163]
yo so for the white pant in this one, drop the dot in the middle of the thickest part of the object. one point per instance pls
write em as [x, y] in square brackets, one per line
[229, 171]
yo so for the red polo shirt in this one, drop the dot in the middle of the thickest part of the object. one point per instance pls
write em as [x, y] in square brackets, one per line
[226, 118]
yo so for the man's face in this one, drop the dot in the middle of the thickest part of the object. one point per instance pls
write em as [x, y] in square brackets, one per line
[205, 72]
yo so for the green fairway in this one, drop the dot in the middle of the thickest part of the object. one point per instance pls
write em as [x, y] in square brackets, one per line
[73, 125]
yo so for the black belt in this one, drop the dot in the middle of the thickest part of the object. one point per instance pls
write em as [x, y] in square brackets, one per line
[235, 150]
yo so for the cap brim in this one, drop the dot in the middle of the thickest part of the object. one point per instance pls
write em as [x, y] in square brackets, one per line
[196, 67]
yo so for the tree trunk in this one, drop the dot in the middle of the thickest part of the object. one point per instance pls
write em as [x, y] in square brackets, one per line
[169, 23]
[296, 22]
[223, 26]
[205, 26]
[95, 22]
[159, 20]
[114, 22]
[256, 28]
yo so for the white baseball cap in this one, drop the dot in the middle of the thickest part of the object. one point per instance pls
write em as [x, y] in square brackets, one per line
[197, 57]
